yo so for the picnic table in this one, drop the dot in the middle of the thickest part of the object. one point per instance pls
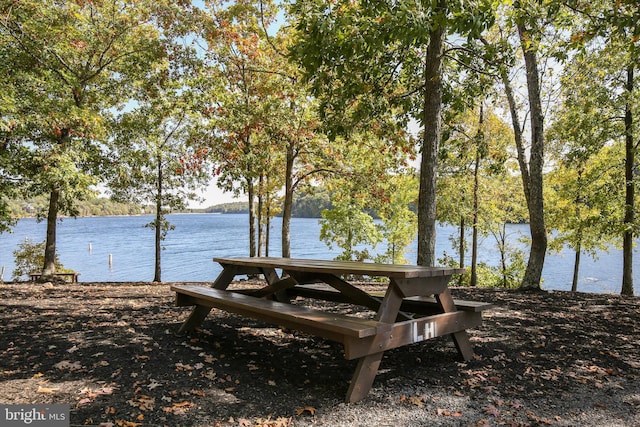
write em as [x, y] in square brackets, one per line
[72, 276]
[416, 306]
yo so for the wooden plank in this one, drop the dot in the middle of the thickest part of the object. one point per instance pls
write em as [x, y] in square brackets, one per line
[320, 292]
[417, 304]
[340, 267]
[421, 301]
[421, 286]
[274, 287]
[298, 317]
[354, 295]
[413, 331]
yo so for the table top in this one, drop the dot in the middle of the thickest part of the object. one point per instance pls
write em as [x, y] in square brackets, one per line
[401, 271]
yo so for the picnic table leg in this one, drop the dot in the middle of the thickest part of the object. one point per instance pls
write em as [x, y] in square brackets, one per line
[225, 277]
[363, 377]
[460, 338]
[367, 367]
[195, 319]
[199, 312]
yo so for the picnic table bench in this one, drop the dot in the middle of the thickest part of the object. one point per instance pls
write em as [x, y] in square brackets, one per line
[417, 305]
[73, 276]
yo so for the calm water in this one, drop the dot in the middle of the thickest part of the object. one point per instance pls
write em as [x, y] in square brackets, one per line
[84, 244]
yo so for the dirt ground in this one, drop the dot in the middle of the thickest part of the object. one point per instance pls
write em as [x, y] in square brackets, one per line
[110, 351]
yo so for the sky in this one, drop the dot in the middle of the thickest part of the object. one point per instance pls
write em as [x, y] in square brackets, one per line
[215, 196]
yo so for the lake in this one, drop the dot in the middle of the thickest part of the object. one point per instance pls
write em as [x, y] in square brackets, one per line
[86, 244]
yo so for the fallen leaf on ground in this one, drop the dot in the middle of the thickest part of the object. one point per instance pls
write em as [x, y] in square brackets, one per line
[415, 400]
[492, 410]
[179, 408]
[84, 401]
[66, 364]
[144, 403]
[309, 409]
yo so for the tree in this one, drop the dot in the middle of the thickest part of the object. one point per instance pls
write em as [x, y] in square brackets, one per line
[605, 43]
[473, 158]
[365, 182]
[29, 257]
[9, 182]
[160, 155]
[582, 206]
[527, 20]
[506, 206]
[241, 67]
[384, 61]
[399, 221]
[265, 122]
[73, 64]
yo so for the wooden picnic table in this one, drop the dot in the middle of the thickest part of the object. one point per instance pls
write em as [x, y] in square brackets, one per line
[72, 276]
[417, 305]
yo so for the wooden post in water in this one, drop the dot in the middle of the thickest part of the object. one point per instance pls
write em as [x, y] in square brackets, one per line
[110, 261]
[2, 275]
[90, 248]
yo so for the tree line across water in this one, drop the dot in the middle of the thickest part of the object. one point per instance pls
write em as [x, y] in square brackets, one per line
[475, 113]
[304, 206]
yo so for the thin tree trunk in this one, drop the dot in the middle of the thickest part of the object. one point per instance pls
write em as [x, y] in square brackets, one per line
[462, 241]
[503, 255]
[474, 238]
[260, 214]
[49, 267]
[533, 272]
[627, 237]
[252, 218]
[158, 229]
[517, 133]
[267, 228]
[430, 144]
[476, 207]
[288, 202]
[576, 268]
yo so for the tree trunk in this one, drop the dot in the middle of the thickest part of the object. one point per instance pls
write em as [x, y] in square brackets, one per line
[288, 202]
[535, 201]
[430, 144]
[260, 215]
[503, 255]
[158, 229]
[49, 267]
[267, 228]
[517, 133]
[252, 218]
[576, 269]
[461, 243]
[474, 238]
[627, 237]
[476, 204]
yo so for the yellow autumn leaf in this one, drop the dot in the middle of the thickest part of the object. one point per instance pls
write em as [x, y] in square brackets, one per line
[47, 389]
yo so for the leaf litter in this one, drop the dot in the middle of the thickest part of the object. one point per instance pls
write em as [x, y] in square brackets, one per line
[110, 351]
